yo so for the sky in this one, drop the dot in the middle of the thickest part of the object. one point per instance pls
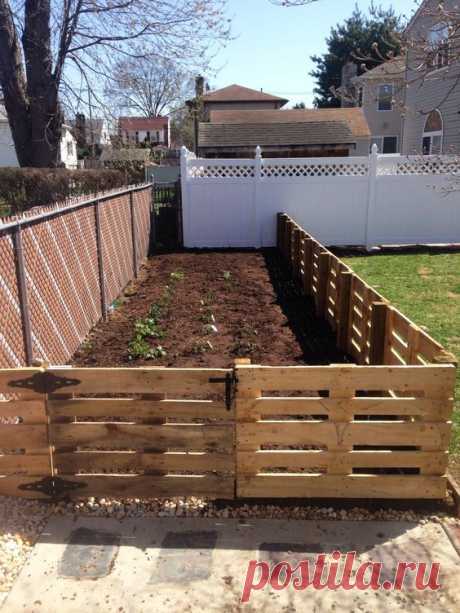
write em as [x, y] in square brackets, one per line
[272, 45]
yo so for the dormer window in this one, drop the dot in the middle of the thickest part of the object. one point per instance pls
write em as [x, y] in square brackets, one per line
[385, 98]
[438, 40]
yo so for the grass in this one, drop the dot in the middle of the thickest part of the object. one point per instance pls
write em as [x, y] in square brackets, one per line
[426, 288]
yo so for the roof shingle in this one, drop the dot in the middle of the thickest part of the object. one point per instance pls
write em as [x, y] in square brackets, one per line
[274, 134]
[353, 117]
[238, 93]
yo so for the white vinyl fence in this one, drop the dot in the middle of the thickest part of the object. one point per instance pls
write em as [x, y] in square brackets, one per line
[370, 201]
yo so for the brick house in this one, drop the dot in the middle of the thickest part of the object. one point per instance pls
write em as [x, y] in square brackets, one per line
[154, 130]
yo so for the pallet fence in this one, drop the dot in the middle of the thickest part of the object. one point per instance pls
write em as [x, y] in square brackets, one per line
[61, 268]
[368, 327]
[377, 429]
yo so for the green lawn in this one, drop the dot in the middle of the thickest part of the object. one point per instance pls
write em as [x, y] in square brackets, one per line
[426, 288]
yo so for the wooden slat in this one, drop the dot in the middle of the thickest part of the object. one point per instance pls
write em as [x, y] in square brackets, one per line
[286, 378]
[124, 486]
[342, 486]
[320, 433]
[142, 380]
[8, 376]
[95, 461]
[437, 410]
[134, 436]
[129, 407]
[29, 464]
[20, 436]
[252, 462]
[31, 411]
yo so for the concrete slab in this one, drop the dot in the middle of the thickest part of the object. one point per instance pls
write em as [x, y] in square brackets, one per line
[168, 565]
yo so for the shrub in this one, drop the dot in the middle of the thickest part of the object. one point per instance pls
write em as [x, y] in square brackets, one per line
[23, 188]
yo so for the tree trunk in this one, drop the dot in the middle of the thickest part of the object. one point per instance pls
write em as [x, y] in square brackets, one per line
[31, 96]
[45, 118]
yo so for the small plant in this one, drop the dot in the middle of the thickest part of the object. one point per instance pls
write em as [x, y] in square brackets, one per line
[200, 347]
[227, 275]
[177, 275]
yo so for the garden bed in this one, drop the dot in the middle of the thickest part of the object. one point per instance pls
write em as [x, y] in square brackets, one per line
[206, 308]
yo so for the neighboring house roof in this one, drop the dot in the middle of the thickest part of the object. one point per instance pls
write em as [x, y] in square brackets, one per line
[394, 69]
[125, 155]
[238, 93]
[142, 123]
[353, 117]
[416, 15]
[275, 134]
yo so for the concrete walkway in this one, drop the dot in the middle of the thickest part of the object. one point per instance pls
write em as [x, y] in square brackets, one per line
[186, 565]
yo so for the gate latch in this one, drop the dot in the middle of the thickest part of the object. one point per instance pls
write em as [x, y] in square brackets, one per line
[230, 382]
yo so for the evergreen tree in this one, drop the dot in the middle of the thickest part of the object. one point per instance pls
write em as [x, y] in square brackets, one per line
[363, 39]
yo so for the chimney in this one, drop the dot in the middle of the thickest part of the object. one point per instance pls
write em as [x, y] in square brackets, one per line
[349, 72]
[80, 129]
[199, 86]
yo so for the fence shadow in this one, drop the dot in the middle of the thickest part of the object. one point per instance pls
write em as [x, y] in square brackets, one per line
[317, 340]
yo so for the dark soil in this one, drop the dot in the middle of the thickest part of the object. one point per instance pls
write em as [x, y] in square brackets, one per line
[258, 311]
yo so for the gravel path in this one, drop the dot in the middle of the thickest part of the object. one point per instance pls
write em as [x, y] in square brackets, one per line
[21, 521]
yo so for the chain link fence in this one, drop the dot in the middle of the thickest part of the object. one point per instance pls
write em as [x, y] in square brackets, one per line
[62, 267]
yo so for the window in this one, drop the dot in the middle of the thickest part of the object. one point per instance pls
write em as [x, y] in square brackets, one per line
[432, 134]
[360, 96]
[147, 138]
[137, 137]
[386, 144]
[69, 148]
[438, 40]
[385, 100]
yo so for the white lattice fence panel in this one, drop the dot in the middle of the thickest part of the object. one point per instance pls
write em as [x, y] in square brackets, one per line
[220, 170]
[272, 170]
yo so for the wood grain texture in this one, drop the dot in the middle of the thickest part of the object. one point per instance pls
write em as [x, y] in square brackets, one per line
[342, 486]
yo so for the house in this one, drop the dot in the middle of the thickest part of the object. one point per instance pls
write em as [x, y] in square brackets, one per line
[153, 130]
[380, 92]
[237, 98]
[94, 131]
[284, 133]
[432, 121]
[67, 147]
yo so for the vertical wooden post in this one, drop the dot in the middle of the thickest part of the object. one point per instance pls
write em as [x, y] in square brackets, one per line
[100, 260]
[296, 253]
[343, 308]
[244, 414]
[289, 241]
[378, 333]
[323, 279]
[279, 232]
[133, 232]
[388, 335]
[23, 295]
[341, 416]
[307, 265]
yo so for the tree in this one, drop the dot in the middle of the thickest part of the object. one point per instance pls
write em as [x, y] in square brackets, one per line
[50, 49]
[148, 86]
[355, 40]
[299, 105]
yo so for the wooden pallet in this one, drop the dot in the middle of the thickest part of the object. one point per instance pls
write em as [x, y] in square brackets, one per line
[311, 431]
[123, 432]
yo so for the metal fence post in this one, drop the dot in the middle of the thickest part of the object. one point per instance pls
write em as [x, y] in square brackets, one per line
[100, 261]
[133, 233]
[22, 294]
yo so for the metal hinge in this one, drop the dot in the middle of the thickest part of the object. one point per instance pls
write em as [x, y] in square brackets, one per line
[44, 382]
[54, 487]
[230, 381]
